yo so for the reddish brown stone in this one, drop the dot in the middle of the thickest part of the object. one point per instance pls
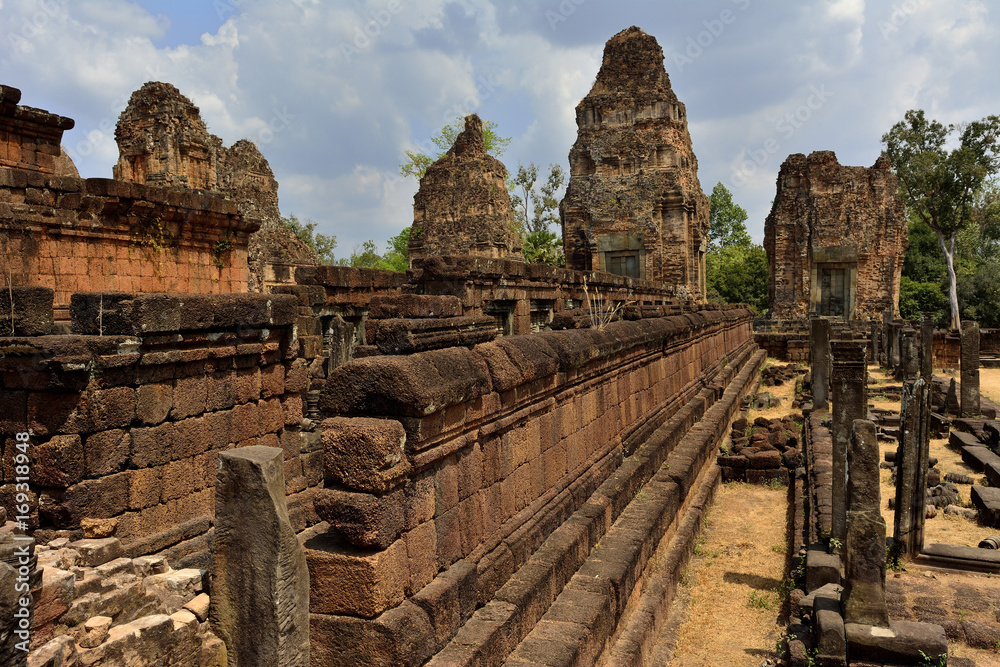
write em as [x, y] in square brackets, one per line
[365, 454]
[855, 239]
[634, 205]
[462, 206]
[106, 452]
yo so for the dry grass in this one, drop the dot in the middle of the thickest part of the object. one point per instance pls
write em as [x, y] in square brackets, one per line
[989, 383]
[786, 393]
[732, 582]
[944, 528]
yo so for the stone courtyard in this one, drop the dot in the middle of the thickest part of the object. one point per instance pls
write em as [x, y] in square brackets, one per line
[217, 450]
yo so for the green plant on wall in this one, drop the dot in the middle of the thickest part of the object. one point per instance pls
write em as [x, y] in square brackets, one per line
[222, 248]
[152, 235]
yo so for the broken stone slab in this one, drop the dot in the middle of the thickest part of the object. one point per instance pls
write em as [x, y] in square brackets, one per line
[987, 501]
[95, 631]
[363, 519]
[260, 581]
[959, 439]
[830, 637]
[365, 454]
[903, 642]
[822, 568]
[979, 457]
[199, 606]
[175, 588]
[829, 591]
[97, 551]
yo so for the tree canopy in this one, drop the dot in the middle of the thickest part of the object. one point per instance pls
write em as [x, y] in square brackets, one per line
[736, 269]
[418, 161]
[321, 243]
[727, 221]
[945, 186]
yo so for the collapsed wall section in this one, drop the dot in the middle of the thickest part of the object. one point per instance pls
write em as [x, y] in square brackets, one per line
[463, 463]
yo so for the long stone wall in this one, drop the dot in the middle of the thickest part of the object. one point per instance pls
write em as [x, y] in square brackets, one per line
[517, 447]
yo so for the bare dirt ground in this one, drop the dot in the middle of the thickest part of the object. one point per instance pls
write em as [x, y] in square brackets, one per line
[732, 592]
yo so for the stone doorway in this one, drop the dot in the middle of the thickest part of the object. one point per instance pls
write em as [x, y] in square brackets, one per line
[833, 284]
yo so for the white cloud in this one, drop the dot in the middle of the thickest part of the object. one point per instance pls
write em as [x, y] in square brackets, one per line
[335, 92]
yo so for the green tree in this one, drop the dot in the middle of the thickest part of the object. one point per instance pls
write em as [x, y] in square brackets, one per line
[397, 254]
[738, 274]
[323, 245]
[736, 269]
[727, 220]
[536, 211]
[417, 162]
[543, 247]
[366, 256]
[941, 187]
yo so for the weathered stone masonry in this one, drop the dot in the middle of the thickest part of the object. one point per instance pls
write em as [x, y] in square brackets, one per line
[504, 443]
[634, 205]
[835, 239]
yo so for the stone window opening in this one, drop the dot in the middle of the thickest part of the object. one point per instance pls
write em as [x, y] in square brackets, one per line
[622, 254]
[541, 315]
[502, 313]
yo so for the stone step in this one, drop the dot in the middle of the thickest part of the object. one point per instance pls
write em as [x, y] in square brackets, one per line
[517, 609]
[599, 598]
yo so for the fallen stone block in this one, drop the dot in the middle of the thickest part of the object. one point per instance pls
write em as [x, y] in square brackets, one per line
[94, 552]
[821, 568]
[365, 454]
[903, 642]
[987, 501]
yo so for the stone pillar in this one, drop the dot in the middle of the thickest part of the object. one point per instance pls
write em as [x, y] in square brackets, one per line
[849, 391]
[927, 347]
[260, 582]
[876, 343]
[909, 355]
[970, 369]
[886, 346]
[912, 458]
[864, 586]
[819, 360]
[895, 350]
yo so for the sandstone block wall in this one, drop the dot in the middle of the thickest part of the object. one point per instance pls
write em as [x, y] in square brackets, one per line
[29, 138]
[502, 444]
[127, 425]
[71, 234]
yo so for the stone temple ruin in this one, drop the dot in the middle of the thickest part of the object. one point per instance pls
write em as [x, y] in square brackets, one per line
[634, 205]
[242, 456]
[836, 238]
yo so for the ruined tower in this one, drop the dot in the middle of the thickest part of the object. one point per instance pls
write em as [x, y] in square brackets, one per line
[462, 206]
[162, 140]
[634, 205]
[836, 238]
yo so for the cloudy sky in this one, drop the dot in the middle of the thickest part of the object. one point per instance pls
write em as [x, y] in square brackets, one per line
[334, 92]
